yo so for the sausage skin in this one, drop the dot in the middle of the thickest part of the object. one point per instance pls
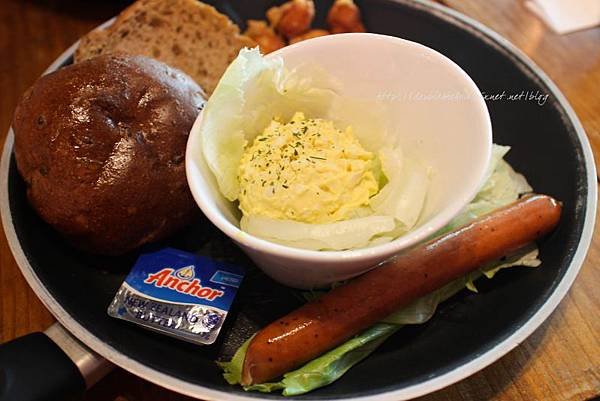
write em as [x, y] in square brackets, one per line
[321, 325]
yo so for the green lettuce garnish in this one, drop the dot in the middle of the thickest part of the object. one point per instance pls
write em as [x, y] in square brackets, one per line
[253, 91]
[320, 371]
[502, 187]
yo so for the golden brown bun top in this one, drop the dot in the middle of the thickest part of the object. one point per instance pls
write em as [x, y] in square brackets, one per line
[101, 145]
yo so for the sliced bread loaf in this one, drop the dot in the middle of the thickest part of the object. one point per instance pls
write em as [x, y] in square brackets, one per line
[186, 34]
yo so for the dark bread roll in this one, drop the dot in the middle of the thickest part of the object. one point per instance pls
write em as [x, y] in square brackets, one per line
[101, 146]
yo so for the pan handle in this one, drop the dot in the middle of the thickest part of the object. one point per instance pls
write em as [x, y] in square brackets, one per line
[48, 366]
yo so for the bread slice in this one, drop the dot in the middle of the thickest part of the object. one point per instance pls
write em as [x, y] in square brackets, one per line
[186, 34]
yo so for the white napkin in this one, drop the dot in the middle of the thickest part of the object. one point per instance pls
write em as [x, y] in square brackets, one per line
[565, 16]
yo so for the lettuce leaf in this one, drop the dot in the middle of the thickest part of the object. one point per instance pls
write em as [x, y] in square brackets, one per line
[333, 364]
[502, 187]
[320, 371]
[404, 195]
[346, 234]
[256, 89]
[253, 91]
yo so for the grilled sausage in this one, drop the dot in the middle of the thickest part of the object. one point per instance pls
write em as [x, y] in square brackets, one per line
[319, 326]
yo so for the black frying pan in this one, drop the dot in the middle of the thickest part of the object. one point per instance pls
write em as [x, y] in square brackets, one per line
[467, 333]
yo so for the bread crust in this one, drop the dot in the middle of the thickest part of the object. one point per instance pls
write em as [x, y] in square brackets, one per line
[101, 145]
[186, 34]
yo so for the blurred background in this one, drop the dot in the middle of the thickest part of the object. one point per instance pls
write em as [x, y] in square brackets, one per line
[560, 361]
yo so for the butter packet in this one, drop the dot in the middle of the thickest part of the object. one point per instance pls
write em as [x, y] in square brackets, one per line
[177, 293]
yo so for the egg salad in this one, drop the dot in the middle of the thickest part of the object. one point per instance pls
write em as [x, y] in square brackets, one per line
[305, 170]
[299, 164]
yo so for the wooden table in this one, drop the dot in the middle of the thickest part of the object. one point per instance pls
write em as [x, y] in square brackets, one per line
[560, 361]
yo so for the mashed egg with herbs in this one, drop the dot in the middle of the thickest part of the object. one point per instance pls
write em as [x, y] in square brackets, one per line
[306, 170]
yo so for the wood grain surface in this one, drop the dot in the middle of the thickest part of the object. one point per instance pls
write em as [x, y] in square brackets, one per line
[560, 361]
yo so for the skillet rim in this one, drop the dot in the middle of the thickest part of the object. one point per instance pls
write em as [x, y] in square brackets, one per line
[500, 349]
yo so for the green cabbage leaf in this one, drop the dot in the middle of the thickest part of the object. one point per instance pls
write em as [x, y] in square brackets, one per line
[502, 187]
[253, 91]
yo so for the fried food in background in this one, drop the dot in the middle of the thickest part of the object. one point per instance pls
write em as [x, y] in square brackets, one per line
[292, 22]
[313, 33]
[264, 35]
[101, 145]
[292, 18]
[186, 34]
[344, 16]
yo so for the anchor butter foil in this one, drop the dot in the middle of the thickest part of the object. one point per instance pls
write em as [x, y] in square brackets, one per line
[178, 293]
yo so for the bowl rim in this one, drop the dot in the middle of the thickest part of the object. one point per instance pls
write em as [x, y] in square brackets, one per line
[474, 364]
[421, 233]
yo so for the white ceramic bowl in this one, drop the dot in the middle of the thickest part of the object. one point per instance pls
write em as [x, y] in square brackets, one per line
[444, 122]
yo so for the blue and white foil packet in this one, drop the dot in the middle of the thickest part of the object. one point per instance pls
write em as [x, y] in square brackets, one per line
[179, 294]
